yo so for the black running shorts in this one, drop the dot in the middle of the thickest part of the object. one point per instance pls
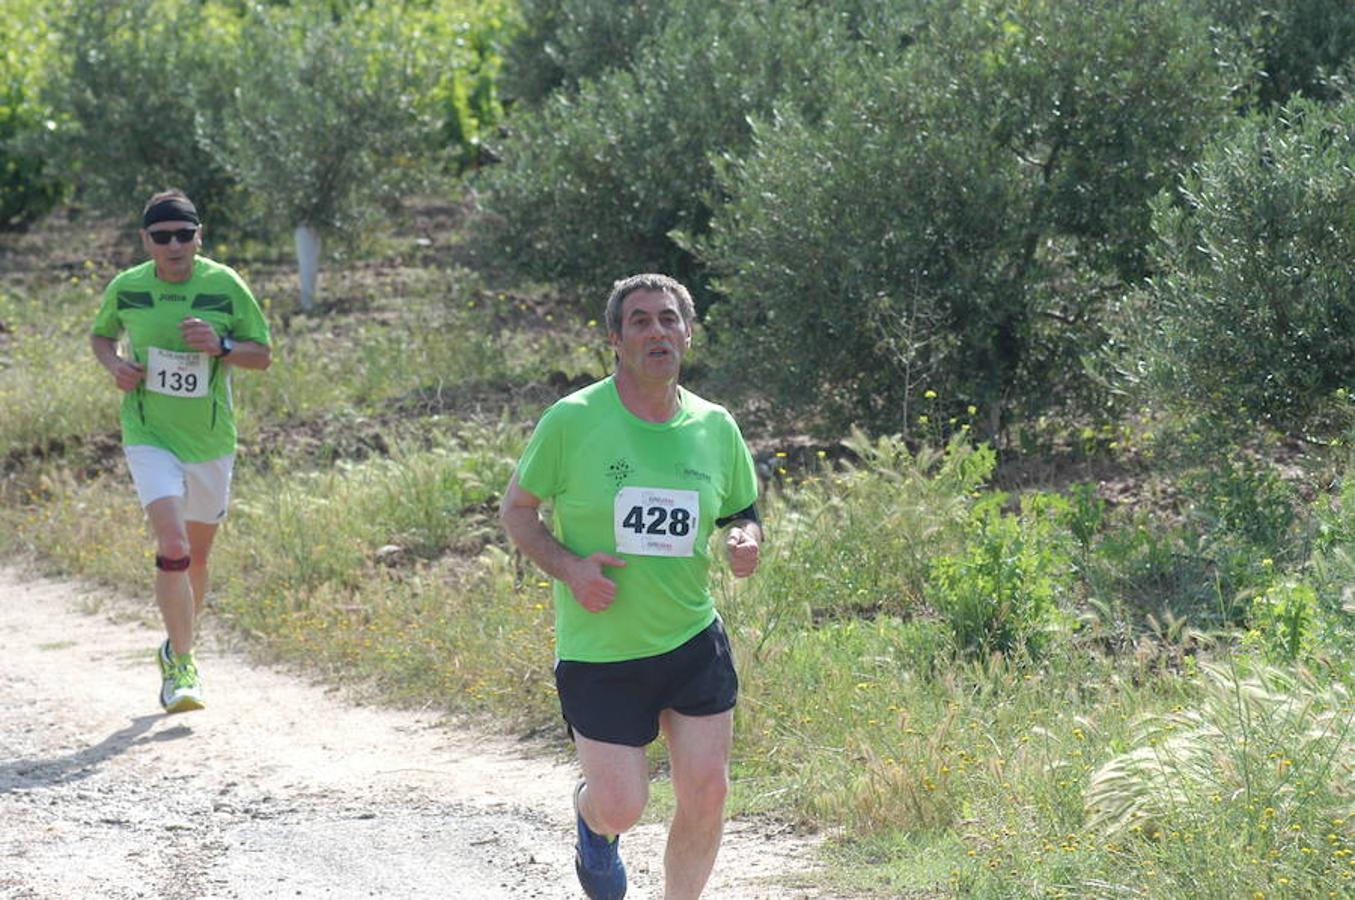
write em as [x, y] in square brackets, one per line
[620, 702]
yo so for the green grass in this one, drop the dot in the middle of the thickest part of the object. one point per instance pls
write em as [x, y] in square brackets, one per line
[1009, 724]
[49, 392]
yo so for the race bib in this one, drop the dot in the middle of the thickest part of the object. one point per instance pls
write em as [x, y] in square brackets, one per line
[656, 522]
[176, 374]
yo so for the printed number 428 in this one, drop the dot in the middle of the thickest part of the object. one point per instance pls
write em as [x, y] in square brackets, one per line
[676, 522]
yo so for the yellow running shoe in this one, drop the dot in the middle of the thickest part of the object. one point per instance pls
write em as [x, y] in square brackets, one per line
[181, 687]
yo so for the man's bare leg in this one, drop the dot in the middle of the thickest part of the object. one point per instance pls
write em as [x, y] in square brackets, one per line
[173, 589]
[200, 537]
[698, 750]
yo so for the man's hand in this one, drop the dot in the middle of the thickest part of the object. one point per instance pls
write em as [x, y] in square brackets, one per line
[127, 375]
[742, 548]
[594, 591]
[200, 336]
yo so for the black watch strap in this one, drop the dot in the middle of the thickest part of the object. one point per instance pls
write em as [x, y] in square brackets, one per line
[227, 345]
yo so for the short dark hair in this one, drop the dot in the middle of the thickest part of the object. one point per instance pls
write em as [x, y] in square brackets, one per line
[648, 282]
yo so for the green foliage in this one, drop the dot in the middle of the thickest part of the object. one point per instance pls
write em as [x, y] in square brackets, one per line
[1259, 768]
[1085, 516]
[1331, 571]
[562, 42]
[468, 95]
[323, 110]
[1300, 47]
[48, 339]
[1284, 621]
[29, 187]
[890, 514]
[1243, 499]
[598, 182]
[1001, 592]
[954, 218]
[1145, 567]
[135, 76]
[323, 125]
[1252, 312]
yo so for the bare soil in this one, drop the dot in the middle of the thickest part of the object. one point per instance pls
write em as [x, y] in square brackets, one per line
[281, 787]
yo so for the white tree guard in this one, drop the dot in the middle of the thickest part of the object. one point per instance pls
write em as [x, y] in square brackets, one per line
[307, 263]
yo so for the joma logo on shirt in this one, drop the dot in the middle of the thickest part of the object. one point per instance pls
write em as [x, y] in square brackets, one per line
[173, 298]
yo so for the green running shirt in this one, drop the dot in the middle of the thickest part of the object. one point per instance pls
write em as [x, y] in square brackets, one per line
[648, 493]
[191, 415]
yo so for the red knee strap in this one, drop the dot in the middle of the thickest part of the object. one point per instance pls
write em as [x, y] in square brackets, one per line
[165, 564]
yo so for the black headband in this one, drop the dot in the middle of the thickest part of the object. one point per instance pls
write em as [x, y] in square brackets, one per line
[171, 209]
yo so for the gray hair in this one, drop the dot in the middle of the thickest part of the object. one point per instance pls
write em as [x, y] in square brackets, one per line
[168, 194]
[649, 282]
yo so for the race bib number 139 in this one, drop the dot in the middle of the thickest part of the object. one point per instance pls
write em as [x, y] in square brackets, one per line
[656, 521]
[176, 374]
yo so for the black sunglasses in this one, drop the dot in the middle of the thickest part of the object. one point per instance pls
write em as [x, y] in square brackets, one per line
[185, 235]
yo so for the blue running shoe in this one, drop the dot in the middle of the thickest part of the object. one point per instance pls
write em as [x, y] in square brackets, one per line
[596, 860]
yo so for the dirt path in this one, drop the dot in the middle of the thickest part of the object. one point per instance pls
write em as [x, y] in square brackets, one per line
[279, 788]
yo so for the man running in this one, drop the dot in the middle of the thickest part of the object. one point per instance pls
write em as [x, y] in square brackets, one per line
[640, 472]
[187, 320]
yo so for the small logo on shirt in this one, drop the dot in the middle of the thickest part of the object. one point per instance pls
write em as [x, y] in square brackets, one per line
[619, 470]
[689, 472]
[173, 298]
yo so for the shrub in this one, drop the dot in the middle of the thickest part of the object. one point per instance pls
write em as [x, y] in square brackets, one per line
[457, 44]
[857, 541]
[323, 125]
[955, 219]
[1001, 592]
[1251, 315]
[560, 43]
[1284, 621]
[133, 80]
[597, 183]
[1299, 47]
[29, 187]
[1149, 568]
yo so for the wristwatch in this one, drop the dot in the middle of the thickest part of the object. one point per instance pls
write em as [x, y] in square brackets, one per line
[227, 345]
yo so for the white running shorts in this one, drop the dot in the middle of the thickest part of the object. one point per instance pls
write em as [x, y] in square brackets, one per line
[205, 487]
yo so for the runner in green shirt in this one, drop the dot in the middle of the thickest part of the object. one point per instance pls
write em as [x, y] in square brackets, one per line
[640, 472]
[187, 320]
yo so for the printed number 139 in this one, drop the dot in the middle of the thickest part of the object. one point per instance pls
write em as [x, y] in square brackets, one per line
[178, 381]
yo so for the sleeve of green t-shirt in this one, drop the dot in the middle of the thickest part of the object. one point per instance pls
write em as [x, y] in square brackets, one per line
[106, 321]
[539, 468]
[743, 476]
[249, 324]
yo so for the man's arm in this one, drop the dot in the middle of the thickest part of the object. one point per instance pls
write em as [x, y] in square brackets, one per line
[127, 375]
[519, 513]
[200, 335]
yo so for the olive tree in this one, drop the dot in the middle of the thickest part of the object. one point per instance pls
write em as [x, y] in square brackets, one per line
[324, 125]
[125, 95]
[1251, 314]
[956, 220]
[618, 174]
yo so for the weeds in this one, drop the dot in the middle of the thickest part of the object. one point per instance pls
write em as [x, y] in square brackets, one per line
[976, 694]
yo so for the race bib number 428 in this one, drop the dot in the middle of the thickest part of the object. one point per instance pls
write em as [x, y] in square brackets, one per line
[656, 521]
[176, 374]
